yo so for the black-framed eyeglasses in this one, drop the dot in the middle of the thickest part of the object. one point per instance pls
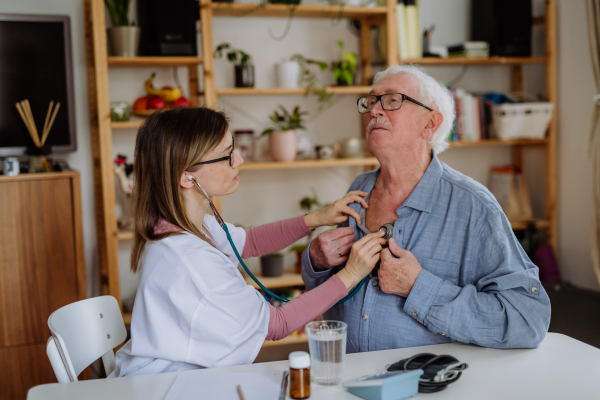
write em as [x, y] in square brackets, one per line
[389, 102]
[229, 157]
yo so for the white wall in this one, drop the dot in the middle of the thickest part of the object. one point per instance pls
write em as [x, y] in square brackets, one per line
[275, 194]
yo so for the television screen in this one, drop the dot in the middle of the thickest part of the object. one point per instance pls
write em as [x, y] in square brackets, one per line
[35, 64]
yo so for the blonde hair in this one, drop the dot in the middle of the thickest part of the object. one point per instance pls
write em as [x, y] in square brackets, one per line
[168, 144]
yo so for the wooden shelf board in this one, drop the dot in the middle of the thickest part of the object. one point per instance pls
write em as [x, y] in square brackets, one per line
[289, 91]
[497, 142]
[521, 226]
[475, 60]
[300, 11]
[341, 162]
[153, 61]
[286, 280]
[292, 339]
[125, 235]
[133, 124]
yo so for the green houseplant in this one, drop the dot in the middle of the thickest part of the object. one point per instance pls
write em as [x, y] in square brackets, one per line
[244, 70]
[344, 69]
[282, 136]
[124, 35]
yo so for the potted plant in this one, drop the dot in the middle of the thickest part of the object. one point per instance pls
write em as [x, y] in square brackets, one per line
[244, 70]
[271, 265]
[344, 69]
[124, 35]
[308, 204]
[287, 74]
[309, 80]
[282, 137]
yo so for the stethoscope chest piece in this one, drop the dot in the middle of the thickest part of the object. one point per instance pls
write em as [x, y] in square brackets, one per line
[388, 229]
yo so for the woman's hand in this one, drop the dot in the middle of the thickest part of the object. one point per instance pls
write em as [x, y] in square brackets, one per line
[338, 211]
[365, 253]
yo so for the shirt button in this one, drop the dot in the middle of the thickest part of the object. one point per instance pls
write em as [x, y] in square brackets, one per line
[374, 283]
[443, 334]
[534, 289]
[365, 316]
[414, 314]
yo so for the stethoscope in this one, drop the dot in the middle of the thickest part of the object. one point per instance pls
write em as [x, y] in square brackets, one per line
[220, 221]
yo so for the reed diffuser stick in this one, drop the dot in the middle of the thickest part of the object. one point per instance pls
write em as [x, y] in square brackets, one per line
[50, 123]
[28, 123]
[46, 121]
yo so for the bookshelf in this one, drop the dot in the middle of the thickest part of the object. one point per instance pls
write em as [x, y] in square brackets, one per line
[102, 128]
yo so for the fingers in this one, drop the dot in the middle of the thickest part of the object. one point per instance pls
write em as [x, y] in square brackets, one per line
[357, 197]
[395, 249]
[352, 212]
[337, 233]
[386, 255]
[366, 238]
[345, 249]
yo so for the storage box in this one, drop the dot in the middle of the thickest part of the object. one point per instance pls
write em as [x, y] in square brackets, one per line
[521, 120]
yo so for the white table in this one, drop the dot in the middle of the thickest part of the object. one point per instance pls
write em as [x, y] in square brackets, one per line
[560, 368]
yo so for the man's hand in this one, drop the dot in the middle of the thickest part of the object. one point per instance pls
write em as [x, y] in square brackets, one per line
[398, 275]
[331, 248]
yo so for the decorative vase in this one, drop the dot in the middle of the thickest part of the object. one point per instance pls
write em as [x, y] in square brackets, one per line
[125, 40]
[244, 76]
[282, 145]
[288, 74]
[271, 265]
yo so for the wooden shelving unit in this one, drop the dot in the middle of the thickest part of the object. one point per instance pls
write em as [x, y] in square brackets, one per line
[102, 127]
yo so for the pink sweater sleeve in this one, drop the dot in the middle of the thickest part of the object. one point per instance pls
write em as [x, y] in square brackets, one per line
[268, 238]
[305, 308]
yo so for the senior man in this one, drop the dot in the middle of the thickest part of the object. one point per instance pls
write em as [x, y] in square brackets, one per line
[454, 270]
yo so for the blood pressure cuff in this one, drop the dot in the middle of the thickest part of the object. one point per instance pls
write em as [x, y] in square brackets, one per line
[438, 371]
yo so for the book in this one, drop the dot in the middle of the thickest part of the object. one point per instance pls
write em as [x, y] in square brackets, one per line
[401, 30]
[469, 46]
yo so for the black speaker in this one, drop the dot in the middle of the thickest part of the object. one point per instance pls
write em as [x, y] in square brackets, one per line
[168, 28]
[504, 24]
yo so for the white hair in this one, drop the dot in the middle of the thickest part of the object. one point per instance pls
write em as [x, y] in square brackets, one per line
[431, 93]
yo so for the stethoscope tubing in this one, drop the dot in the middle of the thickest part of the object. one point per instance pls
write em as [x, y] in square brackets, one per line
[254, 278]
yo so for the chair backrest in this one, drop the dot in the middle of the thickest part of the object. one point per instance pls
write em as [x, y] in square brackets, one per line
[82, 332]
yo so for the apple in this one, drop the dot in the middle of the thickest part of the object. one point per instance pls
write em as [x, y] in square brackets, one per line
[181, 102]
[141, 104]
[156, 103]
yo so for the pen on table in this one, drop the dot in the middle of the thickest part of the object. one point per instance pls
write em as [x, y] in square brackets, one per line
[241, 392]
[284, 383]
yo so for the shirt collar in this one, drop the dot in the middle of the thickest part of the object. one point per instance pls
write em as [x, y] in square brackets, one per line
[421, 197]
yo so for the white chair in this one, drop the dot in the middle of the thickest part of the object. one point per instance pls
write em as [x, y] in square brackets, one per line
[82, 332]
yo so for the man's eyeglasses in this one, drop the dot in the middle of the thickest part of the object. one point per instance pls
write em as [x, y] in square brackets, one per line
[229, 157]
[389, 102]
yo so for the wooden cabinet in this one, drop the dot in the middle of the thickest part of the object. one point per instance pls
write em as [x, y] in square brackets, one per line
[41, 269]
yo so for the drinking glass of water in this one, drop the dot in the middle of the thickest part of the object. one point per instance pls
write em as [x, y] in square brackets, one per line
[327, 345]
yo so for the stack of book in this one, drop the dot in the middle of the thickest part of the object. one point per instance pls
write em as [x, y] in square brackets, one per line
[408, 24]
[473, 117]
[469, 49]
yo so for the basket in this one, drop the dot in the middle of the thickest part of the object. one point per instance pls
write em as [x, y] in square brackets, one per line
[521, 120]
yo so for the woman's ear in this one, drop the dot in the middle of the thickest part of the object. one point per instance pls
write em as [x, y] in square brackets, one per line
[433, 125]
[187, 180]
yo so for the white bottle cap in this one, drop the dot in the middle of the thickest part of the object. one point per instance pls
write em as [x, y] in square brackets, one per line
[299, 360]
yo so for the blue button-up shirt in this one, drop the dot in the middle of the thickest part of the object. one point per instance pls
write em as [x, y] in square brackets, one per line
[477, 284]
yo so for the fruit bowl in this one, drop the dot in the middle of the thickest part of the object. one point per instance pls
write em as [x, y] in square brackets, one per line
[143, 113]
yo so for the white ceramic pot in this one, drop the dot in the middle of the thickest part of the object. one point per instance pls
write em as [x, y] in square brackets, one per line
[125, 40]
[282, 145]
[288, 74]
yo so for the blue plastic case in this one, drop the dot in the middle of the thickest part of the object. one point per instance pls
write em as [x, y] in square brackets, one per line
[394, 385]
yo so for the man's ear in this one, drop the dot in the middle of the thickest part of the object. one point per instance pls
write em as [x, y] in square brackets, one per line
[185, 180]
[435, 120]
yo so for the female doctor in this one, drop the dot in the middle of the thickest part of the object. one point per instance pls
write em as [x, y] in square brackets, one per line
[193, 308]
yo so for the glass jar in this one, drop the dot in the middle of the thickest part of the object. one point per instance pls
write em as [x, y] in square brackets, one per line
[299, 375]
[119, 111]
[244, 143]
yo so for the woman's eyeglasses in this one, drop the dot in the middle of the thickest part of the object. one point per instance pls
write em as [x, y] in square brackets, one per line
[229, 157]
[389, 102]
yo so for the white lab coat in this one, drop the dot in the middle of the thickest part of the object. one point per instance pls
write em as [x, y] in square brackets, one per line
[193, 308]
